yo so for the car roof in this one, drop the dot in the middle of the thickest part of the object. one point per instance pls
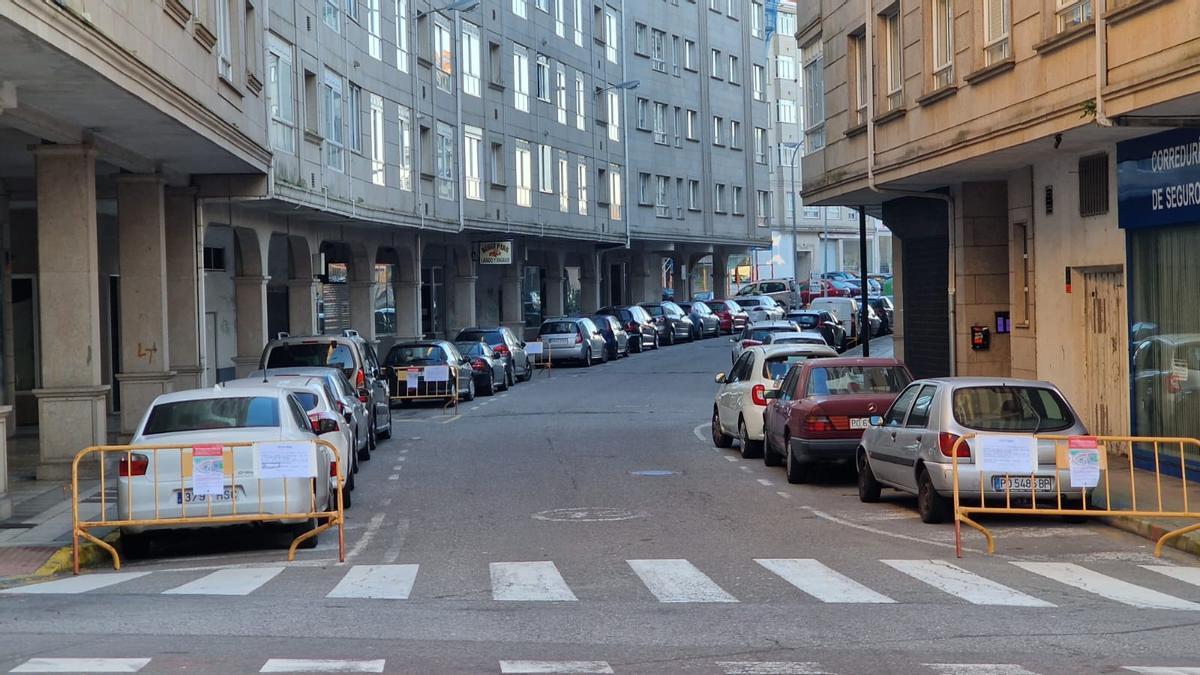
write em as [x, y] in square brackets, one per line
[777, 323]
[775, 350]
[219, 391]
[489, 329]
[310, 371]
[960, 382]
[812, 335]
[310, 383]
[860, 361]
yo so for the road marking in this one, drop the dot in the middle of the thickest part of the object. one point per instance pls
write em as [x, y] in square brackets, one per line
[401, 459]
[227, 582]
[1106, 586]
[404, 451]
[54, 665]
[321, 666]
[731, 458]
[398, 467]
[698, 431]
[883, 533]
[393, 551]
[821, 582]
[387, 582]
[1164, 670]
[394, 476]
[765, 482]
[83, 584]
[372, 528]
[745, 468]
[555, 667]
[677, 580]
[770, 668]
[978, 669]
[537, 581]
[1188, 575]
[784, 495]
[966, 585]
[386, 502]
[450, 419]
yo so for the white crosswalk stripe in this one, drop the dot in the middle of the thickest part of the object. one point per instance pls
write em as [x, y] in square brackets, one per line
[385, 582]
[555, 667]
[1107, 587]
[821, 582]
[241, 581]
[963, 584]
[1188, 575]
[978, 669]
[321, 666]
[83, 584]
[1163, 670]
[677, 580]
[65, 665]
[770, 668]
[537, 581]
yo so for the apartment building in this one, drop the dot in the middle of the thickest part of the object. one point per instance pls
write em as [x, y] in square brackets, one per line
[1017, 150]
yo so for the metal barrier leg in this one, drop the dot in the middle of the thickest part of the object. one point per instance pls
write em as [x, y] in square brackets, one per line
[991, 542]
[1158, 547]
[99, 542]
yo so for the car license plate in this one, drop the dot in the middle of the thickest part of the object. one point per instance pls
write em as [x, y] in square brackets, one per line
[860, 422]
[188, 497]
[1022, 483]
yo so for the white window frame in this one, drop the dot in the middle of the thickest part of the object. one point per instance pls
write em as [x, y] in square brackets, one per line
[760, 145]
[658, 50]
[332, 15]
[660, 123]
[545, 169]
[473, 163]
[378, 145]
[374, 28]
[692, 117]
[859, 55]
[758, 82]
[520, 78]
[785, 67]
[401, 9]
[581, 190]
[522, 160]
[520, 8]
[661, 187]
[1072, 13]
[443, 55]
[332, 103]
[894, 42]
[354, 117]
[614, 115]
[735, 134]
[718, 198]
[580, 103]
[786, 111]
[559, 12]
[615, 197]
[472, 60]
[813, 72]
[281, 94]
[405, 142]
[756, 19]
[224, 41]
[689, 54]
[693, 195]
[718, 129]
[564, 187]
[943, 43]
[542, 70]
[577, 23]
[560, 92]
[611, 36]
[735, 199]
[996, 29]
[444, 154]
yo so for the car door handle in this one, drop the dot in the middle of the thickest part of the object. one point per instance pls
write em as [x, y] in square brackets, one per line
[893, 435]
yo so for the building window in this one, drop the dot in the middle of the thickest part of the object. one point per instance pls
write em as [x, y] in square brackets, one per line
[1093, 185]
[331, 99]
[693, 133]
[641, 38]
[581, 180]
[524, 168]
[812, 212]
[716, 64]
[404, 125]
[520, 8]
[675, 55]
[473, 162]
[559, 12]
[352, 10]
[787, 111]
[661, 208]
[756, 15]
[735, 196]
[544, 5]
[355, 117]
[543, 78]
[785, 67]
[374, 27]
[281, 95]
[472, 60]
[614, 116]
[578, 23]
[943, 43]
[658, 50]
[760, 145]
[378, 176]
[564, 189]
[520, 78]
[402, 35]
[614, 192]
[331, 14]
[611, 38]
[693, 195]
[678, 126]
[758, 81]
[895, 61]
[812, 54]
[762, 207]
[660, 123]
[546, 169]
[443, 53]
[224, 41]
[644, 189]
[718, 126]
[497, 164]
[833, 212]
[719, 198]
[444, 146]
[560, 93]
[858, 52]
[1072, 13]
[214, 259]
[734, 69]
[735, 134]
[643, 114]
[689, 55]
[580, 103]
[995, 31]
[787, 24]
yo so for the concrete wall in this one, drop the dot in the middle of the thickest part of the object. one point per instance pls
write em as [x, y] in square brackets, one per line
[982, 286]
[220, 303]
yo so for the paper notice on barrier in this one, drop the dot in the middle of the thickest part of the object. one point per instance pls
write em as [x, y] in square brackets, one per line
[533, 348]
[1006, 453]
[412, 377]
[1083, 461]
[286, 460]
[208, 470]
[437, 373]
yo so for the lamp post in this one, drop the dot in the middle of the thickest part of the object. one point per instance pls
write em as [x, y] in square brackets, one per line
[622, 86]
[795, 147]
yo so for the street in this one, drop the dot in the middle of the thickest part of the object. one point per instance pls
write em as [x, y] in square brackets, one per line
[584, 522]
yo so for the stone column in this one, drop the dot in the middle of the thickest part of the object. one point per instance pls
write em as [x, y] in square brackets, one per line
[362, 308]
[250, 293]
[9, 384]
[512, 311]
[720, 276]
[72, 407]
[554, 293]
[408, 310]
[302, 306]
[5, 499]
[462, 305]
[184, 330]
[589, 291]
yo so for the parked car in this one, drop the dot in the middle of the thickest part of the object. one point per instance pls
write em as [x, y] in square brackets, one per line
[704, 322]
[827, 290]
[571, 339]
[786, 292]
[839, 275]
[801, 338]
[508, 347]
[885, 310]
[616, 340]
[421, 354]
[639, 326]
[823, 322]
[487, 367]
[741, 396]
[348, 352]
[845, 310]
[822, 408]
[730, 314]
[760, 308]
[909, 447]
[754, 334]
[351, 408]
[152, 485]
[672, 324]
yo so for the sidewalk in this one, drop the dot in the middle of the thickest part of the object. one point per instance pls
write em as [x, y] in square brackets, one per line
[1148, 494]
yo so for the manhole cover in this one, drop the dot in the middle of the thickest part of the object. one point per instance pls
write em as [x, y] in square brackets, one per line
[592, 514]
[653, 472]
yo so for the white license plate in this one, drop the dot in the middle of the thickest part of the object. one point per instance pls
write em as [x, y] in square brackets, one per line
[189, 497]
[1022, 483]
[860, 422]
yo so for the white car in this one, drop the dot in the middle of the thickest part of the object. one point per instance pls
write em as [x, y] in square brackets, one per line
[756, 334]
[741, 398]
[351, 408]
[157, 485]
[761, 307]
[801, 338]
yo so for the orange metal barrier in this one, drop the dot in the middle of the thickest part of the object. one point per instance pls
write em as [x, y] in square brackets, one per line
[1097, 457]
[134, 462]
[414, 384]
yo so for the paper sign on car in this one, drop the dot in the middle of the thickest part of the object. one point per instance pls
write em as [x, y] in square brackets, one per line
[296, 459]
[437, 373]
[1006, 453]
[533, 348]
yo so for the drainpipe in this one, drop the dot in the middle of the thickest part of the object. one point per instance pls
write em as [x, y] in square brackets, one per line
[1100, 7]
[625, 181]
[951, 267]
[458, 116]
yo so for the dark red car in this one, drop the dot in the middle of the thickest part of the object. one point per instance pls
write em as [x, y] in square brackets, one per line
[820, 411]
[730, 315]
[829, 289]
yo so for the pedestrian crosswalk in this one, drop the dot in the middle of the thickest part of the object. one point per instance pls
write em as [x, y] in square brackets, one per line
[680, 581]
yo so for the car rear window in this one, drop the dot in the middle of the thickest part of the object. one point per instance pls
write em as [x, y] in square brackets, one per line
[762, 334]
[415, 355]
[470, 348]
[749, 302]
[797, 339]
[776, 367]
[492, 337]
[653, 310]
[213, 413]
[312, 354]
[805, 320]
[773, 287]
[557, 328]
[843, 380]
[1011, 408]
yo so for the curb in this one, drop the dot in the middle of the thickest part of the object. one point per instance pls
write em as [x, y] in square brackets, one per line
[1188, 543]
[90, 555]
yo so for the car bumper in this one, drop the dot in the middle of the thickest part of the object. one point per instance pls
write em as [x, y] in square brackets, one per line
[942, 475]
[825, 449]
[573, 353]
[752, 416]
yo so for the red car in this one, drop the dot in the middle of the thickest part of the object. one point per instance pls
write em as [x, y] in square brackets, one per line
[730, 315]
[829, 289]
[820, 411]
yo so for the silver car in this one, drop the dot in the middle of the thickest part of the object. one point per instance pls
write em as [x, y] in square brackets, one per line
[910, 447]
[756, 334]
[350, 408]
[761, 307]
[415, 357]
[571, 339]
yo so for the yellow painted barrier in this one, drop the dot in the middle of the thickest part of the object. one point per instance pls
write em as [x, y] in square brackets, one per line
[413, 384]
[132, 458]
[1101, 456]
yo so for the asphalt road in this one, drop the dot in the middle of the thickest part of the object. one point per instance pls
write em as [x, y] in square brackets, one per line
[639, 548]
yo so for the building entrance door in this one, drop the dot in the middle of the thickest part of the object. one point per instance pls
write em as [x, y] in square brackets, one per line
[1106, 400]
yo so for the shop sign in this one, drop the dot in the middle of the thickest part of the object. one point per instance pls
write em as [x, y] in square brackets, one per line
[495, 252]
[1158, 180]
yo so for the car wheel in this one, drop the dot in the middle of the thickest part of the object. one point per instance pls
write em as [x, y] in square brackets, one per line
[374, 433]
[470, 390]
[797, 472]
[750, 449]
[387, 433]
[587, 359]
[347, 500]
[655, 340]
[364, 453]
[528, 371]
[933, 507]
[135, 545]
[770, 455]
[299, 529]
[491, 386]
[719, 437]
[868, 487]
[509, 378]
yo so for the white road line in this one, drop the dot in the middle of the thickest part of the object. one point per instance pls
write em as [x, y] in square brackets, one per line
[978, 669]
[966, 585]
[770, 668]
[386, 582]
[227, 582]
[745, 468]
[784, 495]
[401, 459]
[394, 476]
[821, 582]
[72, 585]
[883, 533]
[321, 666]
[731, 458]
[1163, 670]
[1106, 586]
[537, 581]
[555, 667]
[365, 539]
[404, 451]
[765, 482]
[398, 467]
[1188, 575]
[677, 580]
[698, 431]
[52, 665]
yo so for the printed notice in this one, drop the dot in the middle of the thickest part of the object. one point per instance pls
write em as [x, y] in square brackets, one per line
[533, 348]
[208, 470]
[437, 373]
[1083, 456]
[412, 377]
[1006, 453]
[286, 460]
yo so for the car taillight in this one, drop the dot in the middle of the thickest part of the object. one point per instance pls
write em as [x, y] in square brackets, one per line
[759, 394]
[750, 343]
[946, 441]
[133, 465]
[477, 364]
[501, 349]
[579, 338]
[632, 325]
[818, 423]
[360, 380]
[333, 469]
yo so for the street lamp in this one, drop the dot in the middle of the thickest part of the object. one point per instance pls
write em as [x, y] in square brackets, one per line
[628, 84]
[795, 147]
[456, 6]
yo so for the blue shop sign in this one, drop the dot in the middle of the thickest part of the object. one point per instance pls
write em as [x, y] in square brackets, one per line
[1158, 180]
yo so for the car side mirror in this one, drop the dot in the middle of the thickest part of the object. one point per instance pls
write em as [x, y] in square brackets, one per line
[771, 394]
[875, 421]
[733, 339]
[719, 378]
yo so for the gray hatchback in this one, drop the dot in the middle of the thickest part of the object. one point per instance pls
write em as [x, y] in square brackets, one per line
[571, 339]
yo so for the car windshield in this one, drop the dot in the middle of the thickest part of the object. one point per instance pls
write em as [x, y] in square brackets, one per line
[749, 302]
[601, 322]
[701, 308]
[843, 380]
[312, 354]
[1011, 408]
[557, 328]
[213, 413]
[471, 348]
[654, 310]
[805, 320]
[776, 367]
[797, 339]
[767, 302]
[762, 334]
[415, 355]
[492, 337]
[672, 309]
